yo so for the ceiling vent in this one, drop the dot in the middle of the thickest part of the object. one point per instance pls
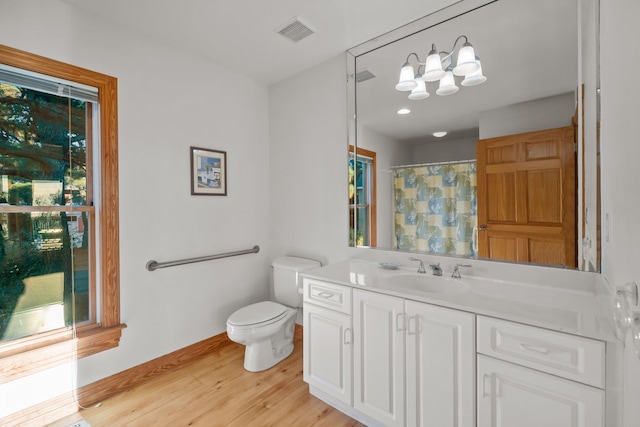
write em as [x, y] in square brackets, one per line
[295, 30]
[364, 75]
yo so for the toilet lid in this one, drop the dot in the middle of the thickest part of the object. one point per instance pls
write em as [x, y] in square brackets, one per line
[257, 313]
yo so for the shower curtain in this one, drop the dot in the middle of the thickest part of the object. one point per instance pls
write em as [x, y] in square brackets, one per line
[436, 208]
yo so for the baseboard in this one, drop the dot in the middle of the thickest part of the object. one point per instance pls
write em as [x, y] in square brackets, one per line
[61, 406]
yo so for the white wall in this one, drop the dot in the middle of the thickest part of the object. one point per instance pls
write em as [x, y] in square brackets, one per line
[308, 199]
[546, 113]
[620, 156]
[444, 151]
[168, 101]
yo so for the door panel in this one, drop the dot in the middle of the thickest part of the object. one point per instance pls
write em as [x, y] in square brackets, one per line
[327, 351]
[379, 357]
[544, 189]
[502, 199]
[441, 349]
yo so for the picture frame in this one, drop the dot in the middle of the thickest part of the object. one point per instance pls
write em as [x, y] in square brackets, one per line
[208, 172]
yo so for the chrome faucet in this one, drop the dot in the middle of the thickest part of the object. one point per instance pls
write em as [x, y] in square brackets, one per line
[421, 268]
[437, 271]
[456, 271]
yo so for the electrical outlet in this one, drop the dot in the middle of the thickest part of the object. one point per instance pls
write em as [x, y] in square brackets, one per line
[81, 423]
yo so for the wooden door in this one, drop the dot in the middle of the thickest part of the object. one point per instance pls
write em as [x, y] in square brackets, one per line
[527, 197]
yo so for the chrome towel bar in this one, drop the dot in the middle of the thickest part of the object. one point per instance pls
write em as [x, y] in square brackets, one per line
[154, 265]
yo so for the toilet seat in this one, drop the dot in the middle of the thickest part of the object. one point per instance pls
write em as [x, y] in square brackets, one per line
[263, 313]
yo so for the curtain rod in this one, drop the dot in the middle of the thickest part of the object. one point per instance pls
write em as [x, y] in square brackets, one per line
[432, 164]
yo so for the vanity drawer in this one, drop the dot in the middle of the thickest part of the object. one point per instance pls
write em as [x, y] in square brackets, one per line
[327, 295]
[568, 356]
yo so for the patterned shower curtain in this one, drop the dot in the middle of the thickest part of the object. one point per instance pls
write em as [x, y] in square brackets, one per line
[436, 208]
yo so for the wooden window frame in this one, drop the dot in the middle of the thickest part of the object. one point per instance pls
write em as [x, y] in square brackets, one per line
[373, 207]
[32, 354]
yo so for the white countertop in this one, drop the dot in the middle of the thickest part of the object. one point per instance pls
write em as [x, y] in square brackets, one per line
[561, 309]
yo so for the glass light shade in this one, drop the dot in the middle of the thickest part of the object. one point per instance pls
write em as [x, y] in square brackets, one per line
[420, 91]
[406, 81]
[433, 67]
[447, 85]
[474, 78]
[466, 61]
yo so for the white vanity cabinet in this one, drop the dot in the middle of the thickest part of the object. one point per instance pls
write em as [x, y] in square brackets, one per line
[531, 377]
[388, 357]
[414, 363]
[327, 344]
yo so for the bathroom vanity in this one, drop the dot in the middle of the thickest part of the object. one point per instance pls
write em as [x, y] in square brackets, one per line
[399, 348]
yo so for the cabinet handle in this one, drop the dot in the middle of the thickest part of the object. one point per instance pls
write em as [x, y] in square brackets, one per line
[400, 328]
[346, 336]
[535, 348]
[416, 322]
[484, 386]
[325, 295]
[492, 391]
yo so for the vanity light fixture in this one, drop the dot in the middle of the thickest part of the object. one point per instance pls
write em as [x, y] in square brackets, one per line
[438, 67]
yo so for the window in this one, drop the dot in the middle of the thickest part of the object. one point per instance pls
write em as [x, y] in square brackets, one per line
[59, 275]
[362, 197]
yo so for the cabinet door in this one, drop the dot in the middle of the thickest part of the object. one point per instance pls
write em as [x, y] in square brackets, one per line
[327, 352]
[440, 346]
[379, 324]
[511, 395]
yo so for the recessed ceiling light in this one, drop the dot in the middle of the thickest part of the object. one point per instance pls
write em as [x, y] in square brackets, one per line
[439, 134]
[403, 111]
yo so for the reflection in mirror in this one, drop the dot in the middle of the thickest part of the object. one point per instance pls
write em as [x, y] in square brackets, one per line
[505, 169]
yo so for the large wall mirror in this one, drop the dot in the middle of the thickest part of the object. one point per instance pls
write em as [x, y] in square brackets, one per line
[515, 178]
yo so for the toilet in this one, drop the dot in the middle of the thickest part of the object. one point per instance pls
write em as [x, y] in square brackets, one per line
[266, 328]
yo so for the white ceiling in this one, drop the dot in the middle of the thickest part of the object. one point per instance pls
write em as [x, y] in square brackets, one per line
[242, 34]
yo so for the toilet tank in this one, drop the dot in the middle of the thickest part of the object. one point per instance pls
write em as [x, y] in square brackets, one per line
[286, 279]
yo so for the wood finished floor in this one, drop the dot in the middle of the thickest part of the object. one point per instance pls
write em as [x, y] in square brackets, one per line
[215, 390]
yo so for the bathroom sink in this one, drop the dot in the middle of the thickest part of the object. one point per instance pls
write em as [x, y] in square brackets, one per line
[426, 283]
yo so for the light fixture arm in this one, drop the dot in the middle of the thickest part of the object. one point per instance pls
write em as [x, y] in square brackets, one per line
[414, 54]
[453, 49]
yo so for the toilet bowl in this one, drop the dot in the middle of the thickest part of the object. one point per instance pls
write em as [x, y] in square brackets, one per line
[266, 328]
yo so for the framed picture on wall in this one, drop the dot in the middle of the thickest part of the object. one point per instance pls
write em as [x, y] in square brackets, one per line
[208, 172]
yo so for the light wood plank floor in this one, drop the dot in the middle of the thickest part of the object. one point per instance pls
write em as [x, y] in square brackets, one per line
[215, 390]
